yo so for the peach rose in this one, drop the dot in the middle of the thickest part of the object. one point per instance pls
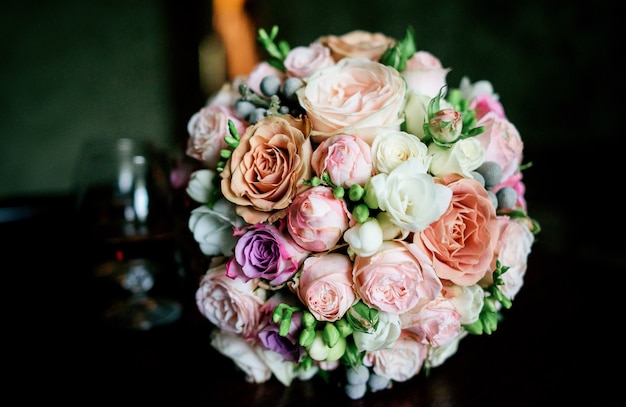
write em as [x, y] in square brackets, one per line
[268, 167]
[425, 74]
[396, 278]
[356, 93]
[400, 362]
[325, 286]
[462, 241]
[358, 44]
[316, 219]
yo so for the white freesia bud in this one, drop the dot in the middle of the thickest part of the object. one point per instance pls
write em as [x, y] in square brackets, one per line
[390, 229]
[387, 332]
[462, 158]
[364, 238]
[469, 303]
[200, 185]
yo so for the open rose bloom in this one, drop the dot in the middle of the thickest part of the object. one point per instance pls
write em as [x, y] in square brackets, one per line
[360, 213]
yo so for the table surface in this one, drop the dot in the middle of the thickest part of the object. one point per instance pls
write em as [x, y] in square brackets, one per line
[552, 346]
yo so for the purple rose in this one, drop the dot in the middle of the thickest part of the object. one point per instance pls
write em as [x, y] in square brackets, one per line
[267, 253]
[287, 346]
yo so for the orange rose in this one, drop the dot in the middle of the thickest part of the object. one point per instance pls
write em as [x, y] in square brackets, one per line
[268, 168]
[463, 240]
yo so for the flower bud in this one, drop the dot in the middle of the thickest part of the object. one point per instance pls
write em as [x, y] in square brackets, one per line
[331, 334]
[343, 327]
[361, 213]
[318, 350]
[446, 126]
[337, 351]
[362, 318]
[306, 337]
[308, 320]
[356, 192]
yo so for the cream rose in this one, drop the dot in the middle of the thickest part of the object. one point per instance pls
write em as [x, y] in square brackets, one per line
[247, 357]
[268, 168]
[462, 158]
[387, 332]
[355, 93]
[393, 147]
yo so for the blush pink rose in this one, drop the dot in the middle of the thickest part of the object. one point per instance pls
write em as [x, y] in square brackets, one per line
[485, 103]
[425, 74]
[356, 93]
[207, 129]
[346, 158]
[502, 143]
[514, 246]
[268, 168]
[358, 44]
[325, 286]
[301, 62]
[401, 361]
[316, 219]
[396, 278]
[437, 323]
[231, 305]
[462, 241]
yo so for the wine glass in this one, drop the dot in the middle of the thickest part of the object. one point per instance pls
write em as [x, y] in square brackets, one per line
[127, 231]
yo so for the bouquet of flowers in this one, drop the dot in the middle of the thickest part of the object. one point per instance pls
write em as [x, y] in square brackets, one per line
[359, 214]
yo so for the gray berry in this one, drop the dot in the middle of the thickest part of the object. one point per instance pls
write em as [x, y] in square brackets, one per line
[478, 177]
[270, 85]
[290, 87]
[355, 391]
[377, 382]
[357, 375]
[257, 115]
[507, 197]
[491, 172]
[244, 108]
[494, 199]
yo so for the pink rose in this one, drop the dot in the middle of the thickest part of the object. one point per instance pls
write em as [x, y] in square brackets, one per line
[207, 129]
[231, 305]
[303, 61]
[346, 158]
[396, 278]
[268, 168]
[316, 219]
[260, 71]
[485, 103]
[462, 241]
[358, 44]
[400, 362]
[437, 323]
[514, 246]
[267, 253]
[355, 93]
[425, 74]
[502, 143]
[325, 286]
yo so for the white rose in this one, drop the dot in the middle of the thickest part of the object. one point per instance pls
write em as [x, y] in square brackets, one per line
[392, 147]
[439, 354]
[410, 196]
[282, 369]
[462, 158]
[416, 112]
[213, 228]
[387, 332]
[245, 355]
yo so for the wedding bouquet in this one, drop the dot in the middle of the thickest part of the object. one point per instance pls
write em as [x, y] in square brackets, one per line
[359, 213]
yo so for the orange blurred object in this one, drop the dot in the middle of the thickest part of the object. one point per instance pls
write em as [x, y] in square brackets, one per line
[238, 33]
